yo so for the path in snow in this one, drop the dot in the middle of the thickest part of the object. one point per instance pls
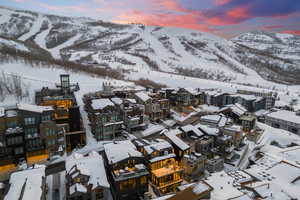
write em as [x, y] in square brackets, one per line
[56, 50]
[40, 39]
[35, 28]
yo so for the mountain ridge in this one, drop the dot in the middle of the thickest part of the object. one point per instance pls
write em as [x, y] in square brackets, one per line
[254, 55]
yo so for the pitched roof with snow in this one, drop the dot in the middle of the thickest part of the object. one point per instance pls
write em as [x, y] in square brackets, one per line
[91, 165]
[143, 96]
[99, 104]
[120, 150]
[285, 115]
[117, 101]
[192, 128]
[172, 135]
[34, 108]
[29, 181]
[157, 146]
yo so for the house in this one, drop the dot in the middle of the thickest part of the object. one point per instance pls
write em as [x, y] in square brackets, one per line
[126, 170]
[186, 97]
[283, 119]
[194, 165]
[132, 114]
[165, 172]
[219, 120]
[234, 111]
[157, 107]
[27, 184]
[248, 122]
[105, 118]
[181, 148]
[236, 132]
[86, 177]
[215, 164]
[196, 191]
[205, 145]
[32, 119]
[66, 110]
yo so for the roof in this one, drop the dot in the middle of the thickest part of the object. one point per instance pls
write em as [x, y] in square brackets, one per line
[117, 101]
[157, 146]
[34, 108]
[77, 188]
[143, 96]
[190, 127]
[152, 130]
[285, 116]
[91, 165]
[208, 129]
[172, 135]
[118, 151]
[223, 186]
[30, 181]
[98, 104]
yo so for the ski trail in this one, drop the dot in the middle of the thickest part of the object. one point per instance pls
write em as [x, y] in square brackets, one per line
[36, 27]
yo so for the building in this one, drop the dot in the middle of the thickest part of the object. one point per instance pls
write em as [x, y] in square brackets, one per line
[27, 184]
[105, 118]
[205, 145]
[165, 172]
[236, 132]
[132, 114]
[126, 170]
[284, 119]
[215, 164]
[66, 110]
[157, 107]
[248, 122]
[194, 165]
[86, 177]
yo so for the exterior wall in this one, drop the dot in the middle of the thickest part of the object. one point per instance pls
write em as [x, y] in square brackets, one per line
[285, 125]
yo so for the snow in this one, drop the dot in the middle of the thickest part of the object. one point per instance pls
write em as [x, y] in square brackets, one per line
[13, 44]
[200, 188]
[34, 29]
[99, 104]
[77, 188]
[157, 146]
[142, 96]
[172, 136]
[2, 112]
[91, 165]
[208, 129]
[223, 187]
[40, 39]
[159, 158]
[34, 108]
[114, 155]
[285, 115]
[117, 101]
[152, 129]
[32, 179]
[56, 50]
[192, 128]
[211, 118]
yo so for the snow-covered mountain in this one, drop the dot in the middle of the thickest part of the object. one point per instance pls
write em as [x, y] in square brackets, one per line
[251, 56]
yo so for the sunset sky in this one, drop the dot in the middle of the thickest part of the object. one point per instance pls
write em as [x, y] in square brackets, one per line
[226, 18]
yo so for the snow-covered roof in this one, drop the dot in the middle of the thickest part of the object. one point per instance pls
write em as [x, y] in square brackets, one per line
[237, 109]
[191, 90]
[98, 104]
[117, 101]
[2, 112]
[211, 118]
[77, 188]
[153, 129]
[157, 146]
[172, 135]
[120, 150]
[200, 188]
[143, 96]
[223, 187]
[159, 158]
[91, 165]
[234, 128]
[192, 128]
[29, 181]
[33, 108]
[285, 115]
[208, 129]
[245, 96]
[131, 100]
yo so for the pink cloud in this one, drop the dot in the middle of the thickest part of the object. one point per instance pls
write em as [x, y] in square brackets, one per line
[294, 32]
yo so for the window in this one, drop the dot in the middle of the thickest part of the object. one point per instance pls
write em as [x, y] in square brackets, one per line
[50, 132]
[19, 150]
[29, 120]
[14, 140]
[30, 132]
[46, 117]
[51, 142]
[11, 124]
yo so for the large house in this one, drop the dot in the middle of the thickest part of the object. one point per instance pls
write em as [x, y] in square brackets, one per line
[86, 177]
[284, 119]
[165, 172]
[126, 170]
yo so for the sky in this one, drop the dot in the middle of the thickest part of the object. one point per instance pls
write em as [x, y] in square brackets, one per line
[226, 18]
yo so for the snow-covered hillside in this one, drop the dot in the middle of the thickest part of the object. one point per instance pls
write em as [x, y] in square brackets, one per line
[138, 47]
